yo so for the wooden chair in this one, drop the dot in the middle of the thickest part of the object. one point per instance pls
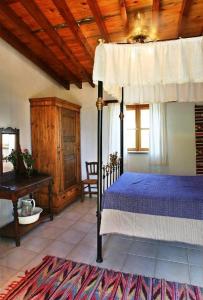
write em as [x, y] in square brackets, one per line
[90, 182]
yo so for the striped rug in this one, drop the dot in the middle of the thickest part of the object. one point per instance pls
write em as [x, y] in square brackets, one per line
[57, 278]
[199, 138]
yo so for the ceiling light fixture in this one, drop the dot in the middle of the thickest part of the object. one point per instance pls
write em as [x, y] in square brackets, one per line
[141, 33]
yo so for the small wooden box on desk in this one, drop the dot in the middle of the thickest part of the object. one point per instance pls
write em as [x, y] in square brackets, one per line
[55, 129]
[14, 187]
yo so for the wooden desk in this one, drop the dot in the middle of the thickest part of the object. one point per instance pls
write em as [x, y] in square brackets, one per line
[12, 188]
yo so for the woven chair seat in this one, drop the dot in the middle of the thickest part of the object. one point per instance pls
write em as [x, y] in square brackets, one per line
[89, 181]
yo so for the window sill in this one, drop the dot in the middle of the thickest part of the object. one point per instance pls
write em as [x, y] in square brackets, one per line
[138, 152]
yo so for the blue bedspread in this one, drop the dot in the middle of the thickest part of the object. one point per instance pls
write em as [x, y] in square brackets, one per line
[154, 194]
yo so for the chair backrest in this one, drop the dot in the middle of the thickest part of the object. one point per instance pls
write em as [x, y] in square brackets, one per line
[91, 168]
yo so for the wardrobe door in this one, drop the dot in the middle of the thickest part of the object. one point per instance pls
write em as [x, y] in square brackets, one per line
[69, 146]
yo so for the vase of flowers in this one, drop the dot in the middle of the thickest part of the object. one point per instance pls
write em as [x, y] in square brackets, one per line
[28, 161]
[13, 158]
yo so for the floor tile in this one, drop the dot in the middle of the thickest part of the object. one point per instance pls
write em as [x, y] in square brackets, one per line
[117, 244]
[80, 208]
[82, 226]
[172, 271]
[71, 236]
[139, 265]
[175, 254]
[92, 211]
[143, 249]
[91, 202]
[17, 258]
[62, 223]
[89, 218]
[36, 244]
[5, 274]
[46, 230]
[179, 244]
[82, 253]
[125, 237]
[51, 232]
[33, 263]
[74, 216]
[196, 275]
[140, 239]
[112, 261]
[93, 229]
[196, 247]
[195, 257]
[90, 239]
[58, 248]
[6, 244]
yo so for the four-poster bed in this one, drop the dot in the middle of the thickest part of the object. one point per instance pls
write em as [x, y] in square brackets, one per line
[149, 73]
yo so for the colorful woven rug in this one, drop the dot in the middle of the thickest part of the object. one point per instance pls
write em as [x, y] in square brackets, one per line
[57, 278]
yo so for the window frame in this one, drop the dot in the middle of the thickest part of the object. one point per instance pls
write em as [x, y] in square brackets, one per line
[137, 109]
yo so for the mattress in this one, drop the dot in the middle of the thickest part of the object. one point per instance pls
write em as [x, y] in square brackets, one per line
[155, 194]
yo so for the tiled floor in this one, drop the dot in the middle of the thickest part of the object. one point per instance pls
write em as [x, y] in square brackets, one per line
[72, 235]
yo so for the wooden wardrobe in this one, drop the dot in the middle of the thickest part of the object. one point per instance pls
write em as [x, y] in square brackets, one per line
[55, 130]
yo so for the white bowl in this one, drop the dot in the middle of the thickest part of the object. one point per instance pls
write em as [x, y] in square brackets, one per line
[30, 219]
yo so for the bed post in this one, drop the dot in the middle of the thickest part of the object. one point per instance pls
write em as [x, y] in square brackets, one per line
[100, 105]
[121, 116]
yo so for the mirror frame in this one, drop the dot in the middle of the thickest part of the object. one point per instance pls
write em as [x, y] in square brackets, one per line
[8, 130]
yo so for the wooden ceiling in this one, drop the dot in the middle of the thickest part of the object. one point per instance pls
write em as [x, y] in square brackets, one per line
[60, 36]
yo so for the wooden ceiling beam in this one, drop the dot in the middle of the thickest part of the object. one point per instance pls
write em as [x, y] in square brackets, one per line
[80, 23]
[9, 1]
[24, 50]
[124, 15]
[99, 19]
[73, 26]
[40, 18]
[36, 42]
[184, 12]
[155, 12]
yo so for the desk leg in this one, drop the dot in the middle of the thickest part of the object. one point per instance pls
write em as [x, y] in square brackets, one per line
[16, 225]
[50, 201]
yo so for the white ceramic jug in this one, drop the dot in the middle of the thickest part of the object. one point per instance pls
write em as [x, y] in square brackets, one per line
[28, 206]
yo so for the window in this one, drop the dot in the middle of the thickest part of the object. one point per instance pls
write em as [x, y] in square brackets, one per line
[137, 125]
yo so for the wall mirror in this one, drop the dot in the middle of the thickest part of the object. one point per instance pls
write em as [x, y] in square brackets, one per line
[9, 139]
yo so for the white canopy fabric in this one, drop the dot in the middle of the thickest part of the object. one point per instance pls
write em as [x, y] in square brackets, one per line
[152, 72]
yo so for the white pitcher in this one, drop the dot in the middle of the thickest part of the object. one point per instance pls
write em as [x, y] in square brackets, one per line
[28, 206]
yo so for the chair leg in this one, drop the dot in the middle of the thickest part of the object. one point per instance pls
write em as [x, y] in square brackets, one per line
[82, 192]
[89, 189]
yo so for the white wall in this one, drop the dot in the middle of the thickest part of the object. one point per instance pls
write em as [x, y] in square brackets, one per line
[21, 80]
